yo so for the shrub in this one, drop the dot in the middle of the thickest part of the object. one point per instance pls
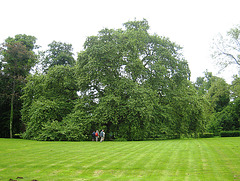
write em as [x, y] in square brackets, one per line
[230, 134]
[62, 131]
[51, 131]
[207, 135]
[17, 136]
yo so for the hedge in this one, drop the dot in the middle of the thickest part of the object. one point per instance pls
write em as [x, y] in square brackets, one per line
[207, 135]
[230, 133]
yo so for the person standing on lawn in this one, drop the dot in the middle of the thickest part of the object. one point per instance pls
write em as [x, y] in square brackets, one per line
[102, 135]
[93, 136]
[97, 135]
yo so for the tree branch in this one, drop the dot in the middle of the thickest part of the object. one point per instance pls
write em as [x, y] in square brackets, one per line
[231, 56]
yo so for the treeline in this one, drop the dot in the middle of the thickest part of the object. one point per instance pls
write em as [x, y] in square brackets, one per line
[130, 83]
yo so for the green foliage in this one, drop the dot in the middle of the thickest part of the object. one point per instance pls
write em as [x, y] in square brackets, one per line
[215, 89]
[74, 127]
[58, 54]
[230, 133]
[48, 98]
[27, 40]
[213, 125]
[219, 94]
[40, 111]
[203, 84]
[51, 131]
[226, 120]
[127, 110]
[77, 125]
[68, 130]
[235, 88]
[230, 116]
[187, 112]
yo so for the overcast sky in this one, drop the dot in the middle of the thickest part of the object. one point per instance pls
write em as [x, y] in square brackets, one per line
[191, 24]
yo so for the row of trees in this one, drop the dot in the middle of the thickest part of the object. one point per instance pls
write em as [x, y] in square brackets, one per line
[223, 102]
[132, 84]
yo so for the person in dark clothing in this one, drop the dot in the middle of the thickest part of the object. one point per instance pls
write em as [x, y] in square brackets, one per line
[93, 136]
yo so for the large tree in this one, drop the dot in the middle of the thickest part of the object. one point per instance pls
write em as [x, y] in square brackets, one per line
[17, 57]
[132, 77]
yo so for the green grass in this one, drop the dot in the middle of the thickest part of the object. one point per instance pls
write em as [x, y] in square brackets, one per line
[185, 159]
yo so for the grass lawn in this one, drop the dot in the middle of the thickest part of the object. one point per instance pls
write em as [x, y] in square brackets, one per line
[184, 159]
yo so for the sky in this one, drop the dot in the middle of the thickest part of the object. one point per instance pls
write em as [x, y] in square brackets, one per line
[191, 24]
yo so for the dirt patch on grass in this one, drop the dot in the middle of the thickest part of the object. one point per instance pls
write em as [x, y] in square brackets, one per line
[97, 173]
[37, 171]
[79, 172]
[55, 172]
[236, 177]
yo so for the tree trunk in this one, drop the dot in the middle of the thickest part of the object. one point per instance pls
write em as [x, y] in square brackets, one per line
[11, 114]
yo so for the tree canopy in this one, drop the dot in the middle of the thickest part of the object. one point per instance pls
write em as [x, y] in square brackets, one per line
[58, 54]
